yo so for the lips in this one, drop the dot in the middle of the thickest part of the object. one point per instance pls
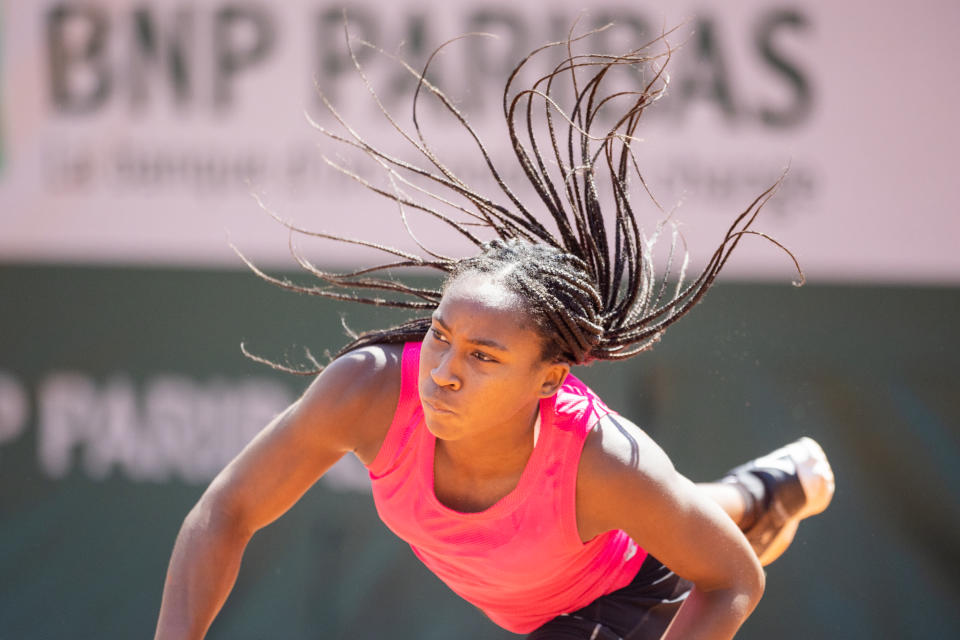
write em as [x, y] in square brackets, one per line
[437, 407]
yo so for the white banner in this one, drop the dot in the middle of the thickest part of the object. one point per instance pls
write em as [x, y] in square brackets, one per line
[137, 131]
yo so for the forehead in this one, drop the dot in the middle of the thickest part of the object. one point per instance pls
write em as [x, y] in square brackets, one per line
[481, 290]
[482, 293]
[483, 307]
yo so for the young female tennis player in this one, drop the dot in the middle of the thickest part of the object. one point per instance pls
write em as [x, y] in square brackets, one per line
[510, 479]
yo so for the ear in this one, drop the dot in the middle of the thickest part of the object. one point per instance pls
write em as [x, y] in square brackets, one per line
[554, 376]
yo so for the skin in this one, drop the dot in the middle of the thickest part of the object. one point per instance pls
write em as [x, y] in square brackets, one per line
[481, 390]
[481, 379]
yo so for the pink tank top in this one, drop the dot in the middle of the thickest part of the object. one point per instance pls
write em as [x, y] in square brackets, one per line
[521, 561]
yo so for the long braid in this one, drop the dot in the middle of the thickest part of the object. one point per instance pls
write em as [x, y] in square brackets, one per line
[591, 301]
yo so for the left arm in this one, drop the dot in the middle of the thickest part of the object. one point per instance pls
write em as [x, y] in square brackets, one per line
[625, 481]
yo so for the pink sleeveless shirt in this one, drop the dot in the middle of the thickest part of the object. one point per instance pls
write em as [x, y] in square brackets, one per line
[521, 561]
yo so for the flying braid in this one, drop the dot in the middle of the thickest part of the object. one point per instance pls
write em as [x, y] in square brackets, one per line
[593, 294]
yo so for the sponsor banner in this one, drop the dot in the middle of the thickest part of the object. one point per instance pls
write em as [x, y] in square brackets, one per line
[137, 131]
[163, 429]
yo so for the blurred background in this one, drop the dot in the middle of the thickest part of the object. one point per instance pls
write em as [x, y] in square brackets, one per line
[134, 135]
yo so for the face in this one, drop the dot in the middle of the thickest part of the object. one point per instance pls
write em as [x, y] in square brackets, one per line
[481, 367]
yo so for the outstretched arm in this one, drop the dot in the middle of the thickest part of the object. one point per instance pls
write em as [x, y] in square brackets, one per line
[347, 408]
[627, 482]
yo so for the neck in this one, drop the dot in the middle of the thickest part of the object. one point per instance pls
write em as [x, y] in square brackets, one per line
[493, 451]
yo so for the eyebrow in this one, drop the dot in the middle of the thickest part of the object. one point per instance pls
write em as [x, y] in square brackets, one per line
[485, 342]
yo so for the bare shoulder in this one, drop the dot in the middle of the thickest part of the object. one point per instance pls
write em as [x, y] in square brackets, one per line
[616, 445]
[617, 455]
[355, 397]
[626, 481]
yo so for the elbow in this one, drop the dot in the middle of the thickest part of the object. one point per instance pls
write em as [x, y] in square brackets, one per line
[752, 586]
[744, 590]
[217, 516]
[209, 532]
[759, 584]
[743, 596]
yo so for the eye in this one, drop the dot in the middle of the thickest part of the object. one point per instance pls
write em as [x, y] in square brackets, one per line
[437, 335]
[482, 357]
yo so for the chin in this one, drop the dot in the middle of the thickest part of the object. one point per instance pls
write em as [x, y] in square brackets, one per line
[441, 426]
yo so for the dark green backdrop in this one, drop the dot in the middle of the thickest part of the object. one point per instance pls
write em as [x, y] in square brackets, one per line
[84, 539]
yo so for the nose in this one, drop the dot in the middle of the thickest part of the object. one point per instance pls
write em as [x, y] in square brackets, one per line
[443, 374]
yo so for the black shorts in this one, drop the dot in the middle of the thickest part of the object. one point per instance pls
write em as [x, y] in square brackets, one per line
[642, 610]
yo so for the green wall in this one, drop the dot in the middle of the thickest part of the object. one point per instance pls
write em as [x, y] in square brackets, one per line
[122, 391]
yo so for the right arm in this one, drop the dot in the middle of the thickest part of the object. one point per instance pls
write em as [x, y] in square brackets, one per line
[348, 407]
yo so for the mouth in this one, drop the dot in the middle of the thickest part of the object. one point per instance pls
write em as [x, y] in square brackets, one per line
[436, 407]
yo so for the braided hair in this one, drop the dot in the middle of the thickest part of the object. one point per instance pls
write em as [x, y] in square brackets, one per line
[592, 296]
[563, 301]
